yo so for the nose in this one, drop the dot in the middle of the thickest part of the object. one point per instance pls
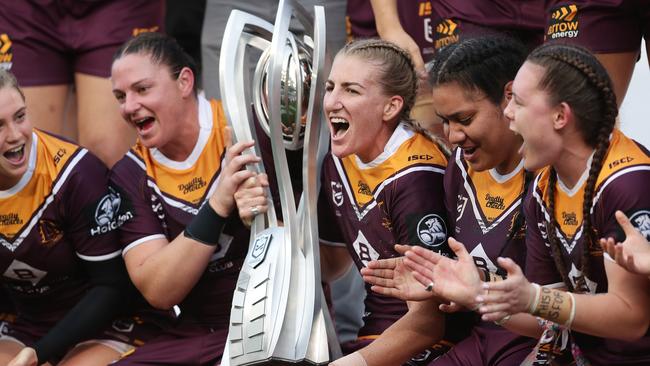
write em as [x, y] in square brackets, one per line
[131, 104]
[13, 132]
[456, 134]
[331, 101]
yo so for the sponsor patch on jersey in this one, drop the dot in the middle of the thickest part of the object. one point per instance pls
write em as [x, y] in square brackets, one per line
[430, 230]
[109, 213]
[563, 22]
[641, 221]
[6, 54]
[447, 33]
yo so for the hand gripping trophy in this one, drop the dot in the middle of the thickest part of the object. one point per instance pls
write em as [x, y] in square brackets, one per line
[279, 315]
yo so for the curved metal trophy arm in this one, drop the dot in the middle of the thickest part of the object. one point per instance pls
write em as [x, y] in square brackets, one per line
[238, 36]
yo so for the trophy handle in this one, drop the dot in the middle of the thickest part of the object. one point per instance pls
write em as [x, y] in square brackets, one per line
[232, 71]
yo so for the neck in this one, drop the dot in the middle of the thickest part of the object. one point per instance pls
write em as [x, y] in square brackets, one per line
[573, 162]
[186, 133]
[513, 159]
[378, 145]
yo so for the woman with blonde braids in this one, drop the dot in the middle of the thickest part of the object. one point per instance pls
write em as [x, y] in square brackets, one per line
[564, 107]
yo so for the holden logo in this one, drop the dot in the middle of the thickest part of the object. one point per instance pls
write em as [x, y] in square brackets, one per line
[432, 230]
[107, 208]
[641, 221]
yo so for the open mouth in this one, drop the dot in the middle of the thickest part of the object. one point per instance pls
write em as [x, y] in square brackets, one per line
[340, 126]
[469, 150]
[16, 154]
[144, 123]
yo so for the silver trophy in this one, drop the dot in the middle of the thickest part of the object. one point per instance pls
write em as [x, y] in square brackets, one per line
[278, 311]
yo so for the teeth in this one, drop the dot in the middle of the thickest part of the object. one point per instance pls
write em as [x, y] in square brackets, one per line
[17, 149]
[338, 120]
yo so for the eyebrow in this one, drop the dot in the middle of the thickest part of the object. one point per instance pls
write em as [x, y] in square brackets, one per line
[131, 86]
[347, 84]
[454, 115]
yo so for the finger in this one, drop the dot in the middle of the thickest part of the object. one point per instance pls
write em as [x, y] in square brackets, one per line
[630, 264]
[388, 263]
[510, 266]
[459, 249]
[383, 273]
[239, 162]
[452, 307]
[506, 285]
[493, 317]
[402, 249]
[385, 291]
[494, 296]
[625, 223]
[424, 257]
[494, 308]
[240, 176]
[238, 149]
[227, 137]
[423, 279]
[618, 256]
[608, 246]
[263, 179]
[416, 267]
[379, 281]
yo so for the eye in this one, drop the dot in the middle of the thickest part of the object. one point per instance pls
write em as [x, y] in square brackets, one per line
[329, 87]
[351, 91]
[20, 117]
[142, 89]
[120, 97]
[465, 120]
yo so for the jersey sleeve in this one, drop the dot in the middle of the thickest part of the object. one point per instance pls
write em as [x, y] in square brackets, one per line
[328, 229]
[417, 209]
[89, 212]
[451, 184]
[540, 267]
[139, 208]
[627, 193]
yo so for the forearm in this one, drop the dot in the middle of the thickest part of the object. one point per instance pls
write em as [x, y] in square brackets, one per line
[386, 16]
[524, 324]
[94, 312]
[420, 328]
[168, 273]
[334, 262]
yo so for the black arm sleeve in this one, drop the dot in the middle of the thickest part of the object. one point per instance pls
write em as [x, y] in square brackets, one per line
[94, 311]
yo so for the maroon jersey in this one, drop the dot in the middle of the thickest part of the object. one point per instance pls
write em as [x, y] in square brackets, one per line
[161, 196]
[59, 212]
[416, 17]
[621, 185]
[482, 208]
[396, 198]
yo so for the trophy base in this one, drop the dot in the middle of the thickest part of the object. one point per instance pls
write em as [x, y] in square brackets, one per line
[287, 363]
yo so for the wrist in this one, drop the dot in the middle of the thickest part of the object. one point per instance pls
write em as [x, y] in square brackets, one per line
[219, 207]
[353, 359]
[555, 305]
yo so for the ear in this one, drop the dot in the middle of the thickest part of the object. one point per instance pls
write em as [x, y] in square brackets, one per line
[562, 116]
[507, 94]
[393, 108]
[186, 81]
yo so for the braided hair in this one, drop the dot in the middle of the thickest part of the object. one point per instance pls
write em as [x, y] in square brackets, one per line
[484, 65]
[398, 76]
[574, 76]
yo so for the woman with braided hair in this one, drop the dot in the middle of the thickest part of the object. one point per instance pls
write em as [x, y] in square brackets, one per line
[382, 184]
[564, 107]
[484, 184]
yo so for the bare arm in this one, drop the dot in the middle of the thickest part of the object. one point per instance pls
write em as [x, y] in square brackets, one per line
[389, 28]
[165, 272]
[334, 262]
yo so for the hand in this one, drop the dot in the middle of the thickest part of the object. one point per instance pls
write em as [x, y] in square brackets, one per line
[398, 36]
[634, 253]
[251, 198]
[26, 357]
[510, 296]
[390, 277]
[233, 174]
[453, 280]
